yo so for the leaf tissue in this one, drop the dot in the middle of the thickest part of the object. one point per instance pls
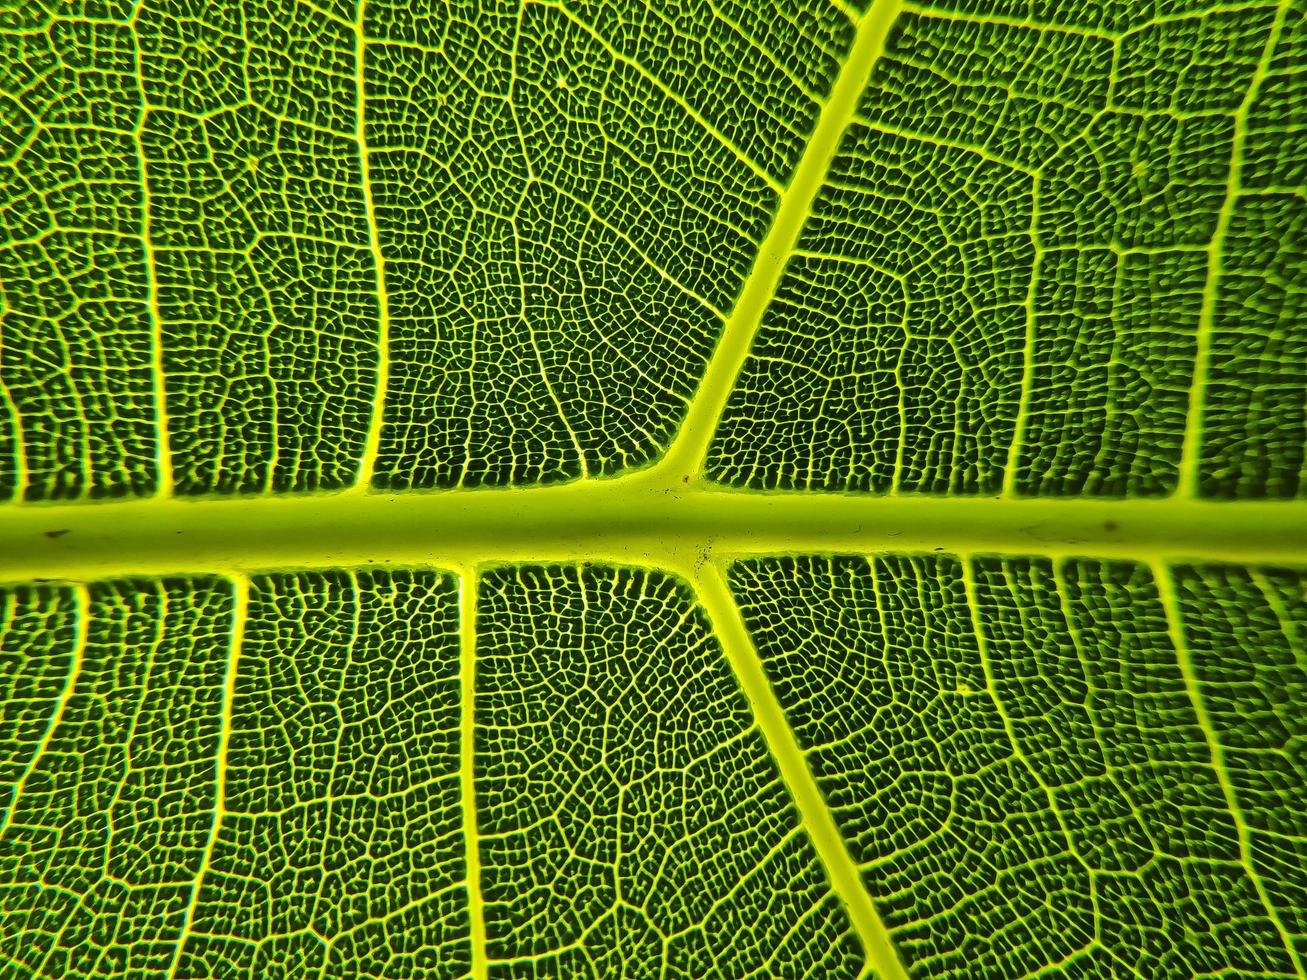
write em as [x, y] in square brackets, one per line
[653, 489]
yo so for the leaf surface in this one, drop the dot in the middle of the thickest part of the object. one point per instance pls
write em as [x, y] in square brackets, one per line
[652, 489]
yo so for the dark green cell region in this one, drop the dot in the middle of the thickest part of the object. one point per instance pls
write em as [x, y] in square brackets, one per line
[873, 369]
[1003, 282]
[109, 731]
[38, 630]
[568, 197]
[340, 849]
[631, 820]
[77, 412]
[1021, 769]
[1246, 632]
[266, 288]
[1254, 417]
[1055, 243]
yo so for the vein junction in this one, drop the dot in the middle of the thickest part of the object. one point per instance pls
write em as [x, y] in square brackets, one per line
[628, 521]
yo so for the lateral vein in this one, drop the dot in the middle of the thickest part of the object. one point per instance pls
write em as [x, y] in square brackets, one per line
[367, 465]
[728, 625]
[240, 586]
[467, 642]
[81, 620]
[687, 454]
[1175, 625]
[1189, 473]
[17, 442]
[159, 380]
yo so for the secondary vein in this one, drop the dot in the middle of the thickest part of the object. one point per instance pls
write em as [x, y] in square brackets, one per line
[1162, 576]
[467, 633]
[240, 585]
[367, 465]
[159, 380]
[710, 584]
[81, 620]
[1190, 472]
[689, 450]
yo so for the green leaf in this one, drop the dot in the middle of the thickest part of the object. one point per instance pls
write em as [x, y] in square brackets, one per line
[651, 488]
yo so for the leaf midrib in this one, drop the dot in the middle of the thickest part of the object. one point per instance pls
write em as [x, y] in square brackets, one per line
[650, 518]
[627, 521]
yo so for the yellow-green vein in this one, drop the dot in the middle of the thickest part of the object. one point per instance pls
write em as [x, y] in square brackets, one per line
[372, 443]
[687, 453]
[159, 380]
[1162, 575]
[715, 596]
[617, 520]
[81, 618]
[1191, 445]
[240, 586]
[467, 653]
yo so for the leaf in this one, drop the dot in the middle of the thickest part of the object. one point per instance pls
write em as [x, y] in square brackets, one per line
[652, 489]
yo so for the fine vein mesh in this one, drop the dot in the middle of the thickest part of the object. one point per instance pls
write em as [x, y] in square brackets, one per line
[1037, 225]
[565, 197]
[1013, 244]
[568, 195]
[1017, 763]
[631, 821]
[340, 851]
[267, 296]
[1254, 413]
[76, 412]
[1246, 630]
[99, 851]
[37, 632]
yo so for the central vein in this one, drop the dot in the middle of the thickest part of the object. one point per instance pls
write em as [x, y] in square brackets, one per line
[621, 521]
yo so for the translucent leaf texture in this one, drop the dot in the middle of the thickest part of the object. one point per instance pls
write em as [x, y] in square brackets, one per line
[653, 488]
